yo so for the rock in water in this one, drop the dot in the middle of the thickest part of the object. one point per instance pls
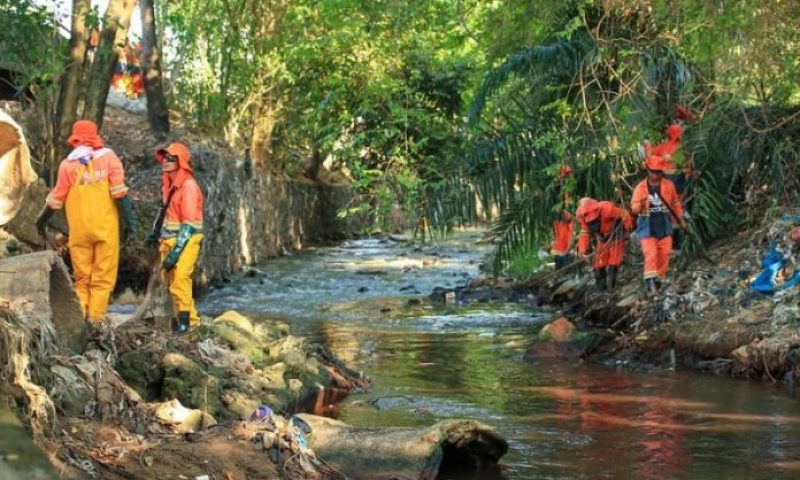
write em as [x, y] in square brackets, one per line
[560, 330]
[389, 453]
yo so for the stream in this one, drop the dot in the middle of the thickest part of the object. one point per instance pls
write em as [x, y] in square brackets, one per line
[453, 361]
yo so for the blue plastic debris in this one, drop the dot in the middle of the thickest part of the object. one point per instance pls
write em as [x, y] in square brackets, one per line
[795, 219]
[261, 414]
[771, 264]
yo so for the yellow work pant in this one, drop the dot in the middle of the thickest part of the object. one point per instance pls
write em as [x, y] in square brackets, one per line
[93, 242]
[179, 278]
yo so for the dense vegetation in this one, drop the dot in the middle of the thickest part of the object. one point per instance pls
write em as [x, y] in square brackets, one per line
[454, 108]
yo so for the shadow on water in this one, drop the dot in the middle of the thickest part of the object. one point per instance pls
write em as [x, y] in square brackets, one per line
[561, 420]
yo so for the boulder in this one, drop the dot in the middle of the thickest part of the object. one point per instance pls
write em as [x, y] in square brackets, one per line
[188, 382]
[181, 419]
[142, 369]
[404, 452]
[559, 330]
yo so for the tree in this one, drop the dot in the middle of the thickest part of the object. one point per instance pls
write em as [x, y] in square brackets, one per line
[157, 109]
[116, 21]
[71, 83]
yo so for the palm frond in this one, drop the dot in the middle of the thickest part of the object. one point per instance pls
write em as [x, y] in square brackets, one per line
[562, 57]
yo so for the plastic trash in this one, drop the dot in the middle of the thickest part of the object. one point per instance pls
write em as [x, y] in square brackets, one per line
[300, 424]
[261, 414]
[301, 441]
[773, 263]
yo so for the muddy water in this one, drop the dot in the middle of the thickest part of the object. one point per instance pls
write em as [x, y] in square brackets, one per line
[562, 421]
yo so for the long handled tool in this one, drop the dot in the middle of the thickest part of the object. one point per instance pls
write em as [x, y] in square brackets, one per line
[691, 231]
[541, 279]
[155, 301]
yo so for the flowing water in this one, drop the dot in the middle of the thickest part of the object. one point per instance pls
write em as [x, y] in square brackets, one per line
[457, 361]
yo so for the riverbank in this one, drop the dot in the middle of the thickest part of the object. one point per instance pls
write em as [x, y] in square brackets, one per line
[707, 317]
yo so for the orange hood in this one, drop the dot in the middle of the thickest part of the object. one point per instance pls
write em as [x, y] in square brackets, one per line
[84, 132]
[184, 167]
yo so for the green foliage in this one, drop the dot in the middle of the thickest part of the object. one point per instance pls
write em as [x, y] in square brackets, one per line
[31, 48]
[30, 44]
[524, 265]
[599, 77]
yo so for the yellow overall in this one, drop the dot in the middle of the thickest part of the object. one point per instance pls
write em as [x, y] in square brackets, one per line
[179, 278]
[93, 240]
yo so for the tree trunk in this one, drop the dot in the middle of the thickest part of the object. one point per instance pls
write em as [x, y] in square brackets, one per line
[116, 21]
[71, 86]
[315, 162]
[263, 124]
[157, 111]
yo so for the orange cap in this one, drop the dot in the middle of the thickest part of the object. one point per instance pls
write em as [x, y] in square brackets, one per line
[588, 209]
[674, 132]
[656, 163]
[84, 132]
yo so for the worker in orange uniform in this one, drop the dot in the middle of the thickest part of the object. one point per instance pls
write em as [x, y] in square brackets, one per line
[563, 226]
[679, 169]
[181, 234]
[607, 226]
[657, 204]
[90, 181]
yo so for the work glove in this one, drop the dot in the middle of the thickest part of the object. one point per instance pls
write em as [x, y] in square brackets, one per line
[43, 218]
[171, 260]
[125, 206]
[184, 235]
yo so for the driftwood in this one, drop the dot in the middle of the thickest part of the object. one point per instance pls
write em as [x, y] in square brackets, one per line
[404, 453]
[39, 291]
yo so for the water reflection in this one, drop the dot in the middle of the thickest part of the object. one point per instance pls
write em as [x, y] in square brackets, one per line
[562, 420]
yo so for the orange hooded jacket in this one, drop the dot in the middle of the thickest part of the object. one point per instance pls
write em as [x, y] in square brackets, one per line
[186, 203]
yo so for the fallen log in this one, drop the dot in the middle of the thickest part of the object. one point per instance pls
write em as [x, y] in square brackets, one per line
[404, 452]
[38, 289]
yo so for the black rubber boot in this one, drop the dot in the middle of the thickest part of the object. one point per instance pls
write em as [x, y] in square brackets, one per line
[651, 286]
[183, 325]
[612, 277]
[600, 279]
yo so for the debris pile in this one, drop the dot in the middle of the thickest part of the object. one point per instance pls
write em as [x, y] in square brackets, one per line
[737, 314]
[131, 410]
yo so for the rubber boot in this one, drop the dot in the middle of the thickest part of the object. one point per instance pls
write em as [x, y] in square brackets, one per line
[183, 325]
[600, 279]
[612, 277]
[651, 286]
